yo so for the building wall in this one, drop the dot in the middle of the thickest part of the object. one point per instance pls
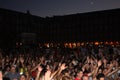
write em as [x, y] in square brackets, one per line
[92, 26]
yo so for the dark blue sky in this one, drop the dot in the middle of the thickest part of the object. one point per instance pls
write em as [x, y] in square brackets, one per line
[50, 8]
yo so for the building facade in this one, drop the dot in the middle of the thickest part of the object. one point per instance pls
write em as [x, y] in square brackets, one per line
[91, 26]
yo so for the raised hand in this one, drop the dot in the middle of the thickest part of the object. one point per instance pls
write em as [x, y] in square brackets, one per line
[3, 60]
[111, 64]
[21, 60]
[15, 59]
[99, 63]
[1, 76]
[40, 68]
[62, 67]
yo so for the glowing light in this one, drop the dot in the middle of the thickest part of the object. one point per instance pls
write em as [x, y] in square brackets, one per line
[48, 45]
[87, 42]
[70, 45]
[117, 42]
[66, 44]
[82, 44]
[20, 44]
[101, 42]
[106, 43]
[96, 43]
[78, 44]
[74, 45]
[111, 43]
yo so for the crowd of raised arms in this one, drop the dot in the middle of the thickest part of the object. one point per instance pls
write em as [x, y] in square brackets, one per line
[83, 63]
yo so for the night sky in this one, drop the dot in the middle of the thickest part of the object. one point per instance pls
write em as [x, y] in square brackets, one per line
[51, 8]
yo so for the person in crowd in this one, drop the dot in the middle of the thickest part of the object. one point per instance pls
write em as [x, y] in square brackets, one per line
[23, 77]
[79, 74]
[101, 76]
[13, 75]
[61, 63]
[1, 76]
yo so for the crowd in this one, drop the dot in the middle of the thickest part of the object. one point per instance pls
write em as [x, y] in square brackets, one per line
[83, 63]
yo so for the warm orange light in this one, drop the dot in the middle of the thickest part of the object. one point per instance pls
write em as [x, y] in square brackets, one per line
[74, 45]
[48, 45]
[78, 44]
[45, 44]
[101, 42]
[117, 42]
[70, 45]
[96, 43]
[106, 43]
[82, 44]
[111, 43]
[66, 44]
